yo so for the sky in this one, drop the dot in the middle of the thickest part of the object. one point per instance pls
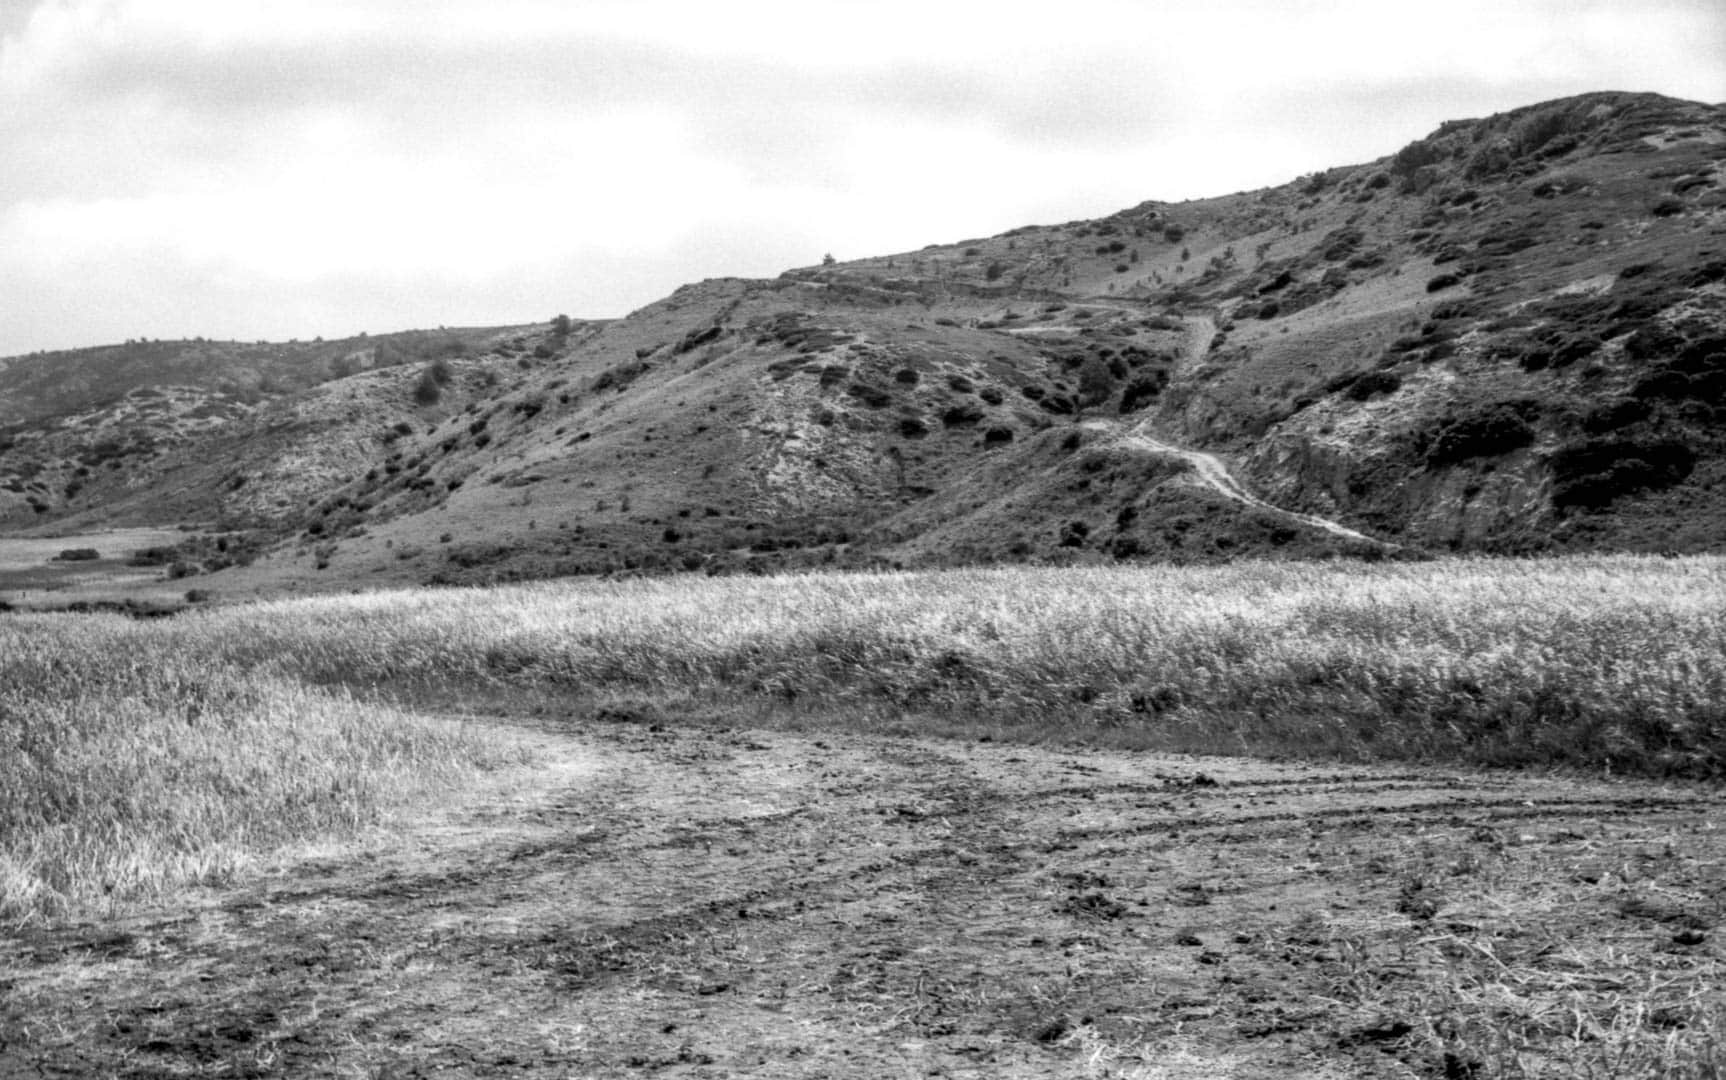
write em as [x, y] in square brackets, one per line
[255, 169]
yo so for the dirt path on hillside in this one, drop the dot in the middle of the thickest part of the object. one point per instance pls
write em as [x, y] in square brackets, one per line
[1214, 473]
[1210, 470]
[710, 902]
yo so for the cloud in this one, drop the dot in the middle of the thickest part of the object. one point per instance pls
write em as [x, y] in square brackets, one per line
[215, 158]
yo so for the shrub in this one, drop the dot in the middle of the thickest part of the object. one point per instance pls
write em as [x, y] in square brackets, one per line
[1443, 281]
[1142, 391]
[78, 555]
[1595, 472]
[1096, 382]
[1667, 207]
[997, 436]
[962, 415]
[1619, 414]
[1373, 382]
[991, 394]
[697, 338]
[1489, 431]
[873, 396]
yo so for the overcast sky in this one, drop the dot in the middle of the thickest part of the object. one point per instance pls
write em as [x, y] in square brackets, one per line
[259, 169]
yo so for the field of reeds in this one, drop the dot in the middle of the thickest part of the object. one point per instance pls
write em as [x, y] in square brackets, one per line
[136, 754]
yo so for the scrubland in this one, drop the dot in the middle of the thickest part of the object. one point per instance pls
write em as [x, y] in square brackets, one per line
[142, 754]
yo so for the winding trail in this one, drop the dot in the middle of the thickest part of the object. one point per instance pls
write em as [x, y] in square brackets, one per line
[1210, 470]
[1213, 472]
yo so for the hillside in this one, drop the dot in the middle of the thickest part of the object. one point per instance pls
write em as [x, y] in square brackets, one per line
[1507, 336]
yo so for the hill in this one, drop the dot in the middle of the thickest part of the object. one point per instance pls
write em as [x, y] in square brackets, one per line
[1507, 336]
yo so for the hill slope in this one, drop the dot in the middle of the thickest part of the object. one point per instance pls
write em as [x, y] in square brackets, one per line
[1509, 335]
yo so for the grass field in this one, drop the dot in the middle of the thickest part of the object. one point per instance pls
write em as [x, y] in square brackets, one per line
[139, 755]
[29, 570]
[1615, 664]
[1469, 923]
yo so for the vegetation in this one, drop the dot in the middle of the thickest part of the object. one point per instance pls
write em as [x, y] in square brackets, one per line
[141, 754]
[136, 758]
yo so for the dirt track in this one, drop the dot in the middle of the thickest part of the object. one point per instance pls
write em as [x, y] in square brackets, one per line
[702, 902]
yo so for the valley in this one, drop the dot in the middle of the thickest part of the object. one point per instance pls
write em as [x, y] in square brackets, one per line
[1272, 634]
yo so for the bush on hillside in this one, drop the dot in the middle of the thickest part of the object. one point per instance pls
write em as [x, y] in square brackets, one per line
[428, 391]
[1142, 391]
[1490, 431]
[1371, 383]
[1595, 472]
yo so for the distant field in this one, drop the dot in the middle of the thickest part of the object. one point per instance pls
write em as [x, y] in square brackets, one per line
[28, 566]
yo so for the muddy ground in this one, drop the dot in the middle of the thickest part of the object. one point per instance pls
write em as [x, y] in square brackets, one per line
[711, 902]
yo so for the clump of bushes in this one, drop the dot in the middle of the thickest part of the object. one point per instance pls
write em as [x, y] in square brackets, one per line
[1489, 431]
[1142, 391]
[962, 415]
[78, 555]
[1595, 472]
[1371, 383]
[873, 396]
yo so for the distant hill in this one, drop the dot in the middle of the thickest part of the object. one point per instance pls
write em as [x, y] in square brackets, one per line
[1507, 336]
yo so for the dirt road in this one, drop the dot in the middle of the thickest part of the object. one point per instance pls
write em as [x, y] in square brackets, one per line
[711, 902]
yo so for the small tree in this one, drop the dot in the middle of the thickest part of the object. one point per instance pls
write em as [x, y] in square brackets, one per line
[428, 391]
[1096, 382]
[560, 326]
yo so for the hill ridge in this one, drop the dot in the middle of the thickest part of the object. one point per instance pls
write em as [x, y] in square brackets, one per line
[1506, 336]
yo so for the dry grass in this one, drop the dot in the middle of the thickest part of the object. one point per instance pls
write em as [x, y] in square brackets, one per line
[145, 754]
[134, 764]
[1600, 663]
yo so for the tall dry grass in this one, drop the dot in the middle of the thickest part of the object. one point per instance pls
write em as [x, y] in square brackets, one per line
[135, 755]
[1602, 663]
[131, 763]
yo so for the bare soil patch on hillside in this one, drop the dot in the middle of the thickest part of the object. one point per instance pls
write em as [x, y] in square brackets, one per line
[708, 901]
